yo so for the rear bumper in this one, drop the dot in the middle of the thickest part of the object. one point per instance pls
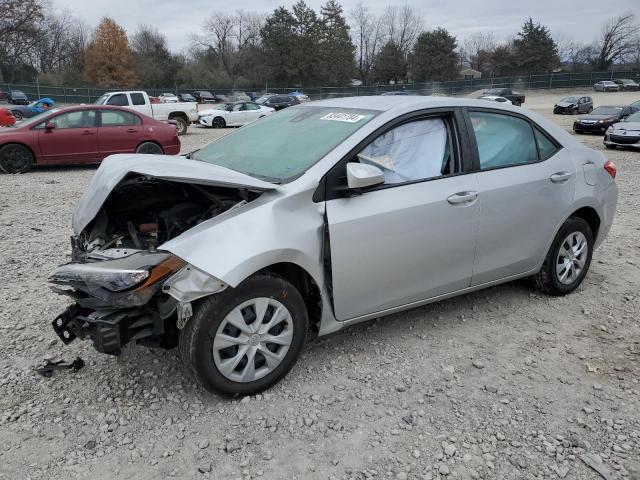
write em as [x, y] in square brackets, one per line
[172, 149]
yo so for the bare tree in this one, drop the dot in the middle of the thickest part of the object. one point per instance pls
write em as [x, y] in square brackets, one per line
[18, 30]
[402, 25]
[475, 49]
[616, 40]
[367, 37]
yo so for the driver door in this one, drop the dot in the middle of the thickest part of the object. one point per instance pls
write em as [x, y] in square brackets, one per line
[413, 237]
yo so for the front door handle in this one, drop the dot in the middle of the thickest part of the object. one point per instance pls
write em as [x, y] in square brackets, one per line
[462, 198]
[560, 177]
[88, 132]
[132, 130]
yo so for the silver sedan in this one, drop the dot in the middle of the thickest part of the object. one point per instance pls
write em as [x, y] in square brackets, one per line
[321, 216]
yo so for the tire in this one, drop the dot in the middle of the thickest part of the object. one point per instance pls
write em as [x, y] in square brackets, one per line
[549, 278]
[181, 125]
[17, 115]
[218, 122]
[15, 158]
[151, 148]
[209, 339]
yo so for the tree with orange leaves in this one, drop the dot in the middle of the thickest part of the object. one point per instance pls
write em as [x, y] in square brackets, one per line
[108, 59]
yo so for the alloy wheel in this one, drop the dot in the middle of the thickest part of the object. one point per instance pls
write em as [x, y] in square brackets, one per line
[253, 339]
[571, 258]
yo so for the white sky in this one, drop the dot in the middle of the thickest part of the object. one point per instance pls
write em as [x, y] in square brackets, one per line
[579, 20]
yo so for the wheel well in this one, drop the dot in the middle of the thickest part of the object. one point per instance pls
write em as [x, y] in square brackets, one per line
[307, 287]
[590, 216]
[35, 158]
[182, 115]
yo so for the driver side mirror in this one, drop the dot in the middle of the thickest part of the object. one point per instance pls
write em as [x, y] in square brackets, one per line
[49, 126]
[362, 175]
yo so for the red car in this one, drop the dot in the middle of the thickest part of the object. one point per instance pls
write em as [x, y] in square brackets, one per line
[6, 118]
[83, 134]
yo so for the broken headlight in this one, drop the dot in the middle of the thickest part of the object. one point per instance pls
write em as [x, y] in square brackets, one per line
[140, 270]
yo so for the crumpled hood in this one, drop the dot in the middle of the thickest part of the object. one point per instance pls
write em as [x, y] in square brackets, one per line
[175, 168]
[212, 111]
[565, 104]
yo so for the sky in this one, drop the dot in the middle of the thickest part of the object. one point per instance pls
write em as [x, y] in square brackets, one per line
[578, 20]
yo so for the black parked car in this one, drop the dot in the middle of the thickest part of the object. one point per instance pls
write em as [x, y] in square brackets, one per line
[516, 98]
[626, 84]
[602, 118]
[574, 104]
[281, 101]
[203, 96]
[186, 97]
[16, 97]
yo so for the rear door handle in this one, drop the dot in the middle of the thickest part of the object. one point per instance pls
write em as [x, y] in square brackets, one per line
[462, 198]
[88, 132]
[560, 177]
[132, 130]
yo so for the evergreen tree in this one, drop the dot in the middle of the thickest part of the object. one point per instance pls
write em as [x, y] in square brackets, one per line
[337, 49]
[434, 57]
[278, 40]
[305, 51]
[534, 49]
[108, 60]
[390, 64]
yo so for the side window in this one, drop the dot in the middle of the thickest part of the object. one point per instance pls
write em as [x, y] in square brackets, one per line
[137, 99]
[119, 100]
[79, 119]
[237, 107]
[503, 140]
[546, 147]
[251, 106]
[115, 118]
[413, 151]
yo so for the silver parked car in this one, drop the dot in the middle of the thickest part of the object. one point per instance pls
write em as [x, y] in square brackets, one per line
[324, 215]
[625, 133]
[606, 86]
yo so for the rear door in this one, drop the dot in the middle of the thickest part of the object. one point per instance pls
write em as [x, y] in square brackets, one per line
[251, 111]
[73, 140]
[526, 183]
[119, 131]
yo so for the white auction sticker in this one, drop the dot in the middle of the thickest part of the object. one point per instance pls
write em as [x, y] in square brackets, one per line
[343, 117]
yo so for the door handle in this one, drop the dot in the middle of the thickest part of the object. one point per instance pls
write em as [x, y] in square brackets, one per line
[132, 130]
[462, 197]
[88, 132]
[560, 177]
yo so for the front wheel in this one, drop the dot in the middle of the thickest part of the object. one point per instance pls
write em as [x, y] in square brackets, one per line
[568, 259]
[15, 159]
[218, 122]
[245, 339]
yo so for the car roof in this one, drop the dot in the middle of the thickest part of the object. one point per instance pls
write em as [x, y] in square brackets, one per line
[385, 103]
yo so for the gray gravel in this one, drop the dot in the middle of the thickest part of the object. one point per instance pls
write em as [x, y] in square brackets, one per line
[504, 383]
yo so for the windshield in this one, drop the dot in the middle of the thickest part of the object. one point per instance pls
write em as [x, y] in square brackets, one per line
[633, 118]
[102, 100]
[606, 111]
[263, 99]
[570, 99]
[493, 91]
[282, 146]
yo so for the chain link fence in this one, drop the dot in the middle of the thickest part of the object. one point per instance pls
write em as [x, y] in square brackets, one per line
[66, 94]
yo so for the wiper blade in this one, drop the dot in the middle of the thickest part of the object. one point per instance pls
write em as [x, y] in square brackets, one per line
[189, 156]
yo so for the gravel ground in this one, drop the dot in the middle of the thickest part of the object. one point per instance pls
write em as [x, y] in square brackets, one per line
[504, 383]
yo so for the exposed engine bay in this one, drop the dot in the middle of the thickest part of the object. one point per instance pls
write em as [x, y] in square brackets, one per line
[143, 212]
[125, 289]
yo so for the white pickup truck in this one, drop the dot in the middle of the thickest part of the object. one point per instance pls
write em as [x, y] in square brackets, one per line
[183, 113]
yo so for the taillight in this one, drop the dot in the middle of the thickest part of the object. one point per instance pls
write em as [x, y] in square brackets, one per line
[610, 167]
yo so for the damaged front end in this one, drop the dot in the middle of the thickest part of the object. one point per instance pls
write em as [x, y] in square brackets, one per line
[125, 288]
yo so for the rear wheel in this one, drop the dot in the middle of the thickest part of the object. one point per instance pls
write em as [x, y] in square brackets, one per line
[16, 159]
[568, 259]
[150, 148]
[181, 125]
[245, 339]
[17, 114]
[218, 122]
